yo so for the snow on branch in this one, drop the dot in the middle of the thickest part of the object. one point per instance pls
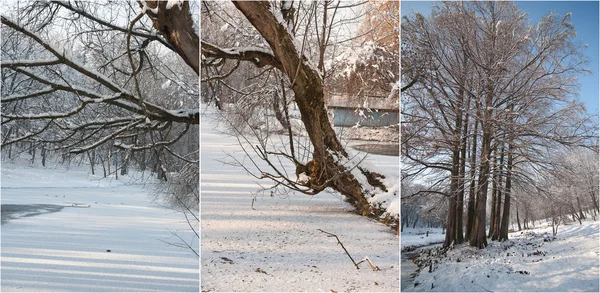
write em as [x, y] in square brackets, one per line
[106, 138]
[122, 98]
[13, 98]
[47, 115]
[259, 56]
[29, 63]
[133, 147]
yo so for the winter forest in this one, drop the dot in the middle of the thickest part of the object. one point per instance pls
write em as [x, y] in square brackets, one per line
[499, 153]
[321, 146]
[200, 146]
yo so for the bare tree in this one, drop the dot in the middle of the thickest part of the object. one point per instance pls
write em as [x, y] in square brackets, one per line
[498, 84]
[330, 165]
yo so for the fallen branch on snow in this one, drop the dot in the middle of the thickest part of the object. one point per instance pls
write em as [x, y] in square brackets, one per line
[375, 268]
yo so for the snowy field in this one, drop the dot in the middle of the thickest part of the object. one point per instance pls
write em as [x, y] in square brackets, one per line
[530, 261]
[418, 237]
[58, 226]
[275, 245]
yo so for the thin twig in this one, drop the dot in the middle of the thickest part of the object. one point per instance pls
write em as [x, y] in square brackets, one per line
[338, 240]
[375, 268]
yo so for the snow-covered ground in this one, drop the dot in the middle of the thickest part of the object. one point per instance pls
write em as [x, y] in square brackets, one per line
[274, 243]
[418, 237]
[67, 223]
[529, 261]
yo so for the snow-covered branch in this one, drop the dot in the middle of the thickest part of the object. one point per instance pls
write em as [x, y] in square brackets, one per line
[259, 56]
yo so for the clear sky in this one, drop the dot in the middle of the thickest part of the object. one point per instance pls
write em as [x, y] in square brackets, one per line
[584, 18]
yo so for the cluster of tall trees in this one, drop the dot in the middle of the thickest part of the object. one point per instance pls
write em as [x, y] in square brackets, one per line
[487, 100]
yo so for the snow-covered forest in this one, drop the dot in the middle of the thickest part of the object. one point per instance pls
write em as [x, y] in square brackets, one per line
[496, 143]
[327, 146]
[134, 131]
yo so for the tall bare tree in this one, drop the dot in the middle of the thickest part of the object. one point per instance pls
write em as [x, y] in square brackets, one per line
[499, 84]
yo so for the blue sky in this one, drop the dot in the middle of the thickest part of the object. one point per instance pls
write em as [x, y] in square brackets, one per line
[584, 18]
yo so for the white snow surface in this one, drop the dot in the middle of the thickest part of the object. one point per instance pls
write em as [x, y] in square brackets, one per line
[418, 237]
[66, 251]
[525, 262]
[273, 243]
[171, 3]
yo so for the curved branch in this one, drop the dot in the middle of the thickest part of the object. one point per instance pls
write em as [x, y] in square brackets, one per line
[258, 56]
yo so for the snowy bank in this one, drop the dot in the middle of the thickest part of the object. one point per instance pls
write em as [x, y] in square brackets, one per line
[529, 261]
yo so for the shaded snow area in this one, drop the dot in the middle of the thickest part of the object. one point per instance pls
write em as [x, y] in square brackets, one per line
[273, 243]
[530, 261]
[65, 231]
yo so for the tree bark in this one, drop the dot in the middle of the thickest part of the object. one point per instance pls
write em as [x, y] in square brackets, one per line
[177, 27]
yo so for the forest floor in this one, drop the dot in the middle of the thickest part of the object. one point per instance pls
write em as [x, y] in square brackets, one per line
[530, 261]
[64, 230]
[258, 241]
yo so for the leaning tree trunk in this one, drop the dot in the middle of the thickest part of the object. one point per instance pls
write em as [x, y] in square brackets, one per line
[176, 25]
[327, 169]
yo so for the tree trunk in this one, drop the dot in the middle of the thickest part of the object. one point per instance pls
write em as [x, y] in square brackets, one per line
[279, 104]
[103, 166]
[581, 215]
[494, 193]
[478, 236]
[43, 154]
[307, 85]
[498, 204]
[32, 152]
[471, 202]
[450, 221]
[518, 222]
[594, 200]
[176, 25]
[92, 160]
[462, 180]
[507, 191]
[125, 164]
